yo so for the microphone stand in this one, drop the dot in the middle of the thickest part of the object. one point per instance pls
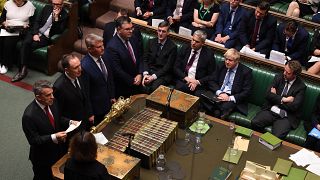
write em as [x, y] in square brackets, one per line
[166, 112]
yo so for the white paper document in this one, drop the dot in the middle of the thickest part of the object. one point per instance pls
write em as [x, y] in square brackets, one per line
[314, 59]
[6, 33]
[156, 22]
[247, 51]
[241, 144]
[277, 57]
[185, 31]
[100, 138]
[73, 126]
[214, 43]
[304, 157]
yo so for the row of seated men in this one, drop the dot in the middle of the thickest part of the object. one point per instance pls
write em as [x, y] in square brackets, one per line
[88, 87]
[234, 26]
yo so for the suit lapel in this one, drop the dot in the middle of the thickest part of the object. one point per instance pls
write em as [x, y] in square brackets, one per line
[95, 67]
[44, 117]
[71, 86]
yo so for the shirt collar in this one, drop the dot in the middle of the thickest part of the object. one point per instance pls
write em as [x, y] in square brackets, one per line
[41, 105]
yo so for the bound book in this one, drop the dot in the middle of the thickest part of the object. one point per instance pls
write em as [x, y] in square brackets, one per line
[270, 140]
[295, 174]
[246, 132]
[220, 173]
[282, 166]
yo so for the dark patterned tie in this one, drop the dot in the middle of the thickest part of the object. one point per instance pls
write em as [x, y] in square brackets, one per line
[103, 69]
[285, 89]
[255, 34]
[130, 52]
[193, 57]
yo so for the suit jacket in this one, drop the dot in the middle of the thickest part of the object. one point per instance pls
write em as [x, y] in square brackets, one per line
[75, 170]
[57, 26]
[266, 33]
[160, 62]
[100, 91]
[73, 104]
[205, 67]
[187, 9]
[296, 90]
[300, 42]
[38, 129]
[241, 88]
[222, 20]
[158, 8]
[109, 29]
[123, 67]
[315, 117]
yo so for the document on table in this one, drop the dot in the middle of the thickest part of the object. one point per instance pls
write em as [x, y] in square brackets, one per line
[184, 31]
[306, 157]
[156, 22]
[314, 59]
[246, 50]
[241, 144]
[100, 138]
[73, 126]
[277, 57]
[3, 32]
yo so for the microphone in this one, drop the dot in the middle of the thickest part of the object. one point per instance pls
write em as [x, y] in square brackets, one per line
[127, 134]
[165, 113]
[131, 136]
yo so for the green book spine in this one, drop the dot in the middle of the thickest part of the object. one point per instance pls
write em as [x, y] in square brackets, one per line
[244, 131]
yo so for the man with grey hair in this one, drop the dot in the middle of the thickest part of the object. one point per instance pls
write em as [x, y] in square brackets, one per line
[98, 78]
[44, 128]
[194, 64]
[230, 87]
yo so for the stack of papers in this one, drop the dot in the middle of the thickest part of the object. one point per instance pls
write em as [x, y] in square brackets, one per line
[314, 59]
[305, 157]
[247, 51]
[185, 31]
[277, 57]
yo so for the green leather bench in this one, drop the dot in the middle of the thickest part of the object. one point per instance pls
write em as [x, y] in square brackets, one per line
[282, 7]
[45, 59]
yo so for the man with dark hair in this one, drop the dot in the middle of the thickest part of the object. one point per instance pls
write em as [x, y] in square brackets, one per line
[150, 9]
[52, 20]
[180, 13]
[98, 78]
[194, 65]
[227, 30]
[231, 86]
[284, 100]
[158, 59]
[44, 128]
[257, 29]
[292, 39]
[124, 51]
[71, 93]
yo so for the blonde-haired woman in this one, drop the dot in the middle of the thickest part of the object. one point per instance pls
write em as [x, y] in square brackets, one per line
[205, 16]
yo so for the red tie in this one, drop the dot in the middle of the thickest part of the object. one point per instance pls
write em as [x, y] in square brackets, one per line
[255, 34]
[49, 116]
[150, 5]
[131, 52]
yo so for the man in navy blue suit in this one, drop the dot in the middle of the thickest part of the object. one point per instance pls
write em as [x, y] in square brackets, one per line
[292, 40]
[228, 23]
[125, 53]
[98, 78]
[257, 29]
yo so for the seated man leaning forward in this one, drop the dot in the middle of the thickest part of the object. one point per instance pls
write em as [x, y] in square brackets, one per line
[284, 98]
[229, 88]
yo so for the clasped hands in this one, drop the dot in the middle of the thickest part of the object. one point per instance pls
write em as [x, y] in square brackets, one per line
[224, 97]
[137, 80]
[220, 39]
[288, 99]
[147, 79]
[192, 83]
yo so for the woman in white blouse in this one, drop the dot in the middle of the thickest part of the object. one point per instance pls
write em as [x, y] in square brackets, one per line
[16, 13]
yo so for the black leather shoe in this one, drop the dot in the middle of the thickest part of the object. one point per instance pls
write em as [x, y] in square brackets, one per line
[20, 75]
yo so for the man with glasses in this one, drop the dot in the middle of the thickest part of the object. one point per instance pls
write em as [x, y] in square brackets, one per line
[124, 51]
[230, 87]
[257, 30]
[194, 65]
[158, 59]
[51, 21]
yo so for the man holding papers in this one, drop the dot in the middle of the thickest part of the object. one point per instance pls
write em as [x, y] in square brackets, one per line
[44, 128]
[313, 140]
[291, 39]
[284, 100]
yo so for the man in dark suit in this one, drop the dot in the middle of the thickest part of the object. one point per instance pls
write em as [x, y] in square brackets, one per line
[150, 9]
[125, 54]
[180, 13]
[110, 28]
[284, 100]
[292, 40]
[194, 64]
[53, 20]
[69, 90]
[98, 78]
[230, 87]
[227, 29]
[312, 142]
[44, 128]
[257, 29]
[158, 59]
